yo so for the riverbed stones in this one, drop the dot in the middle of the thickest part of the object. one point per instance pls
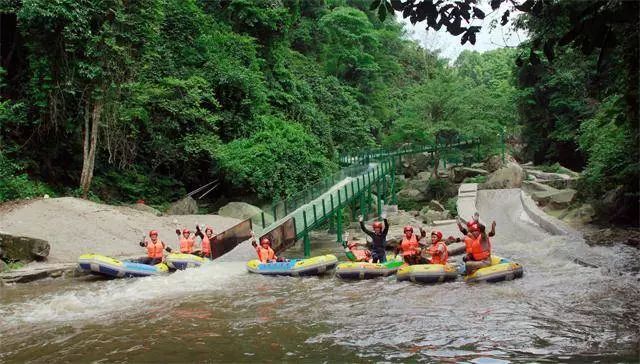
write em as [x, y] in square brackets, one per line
[494, 162]
[510, 176]
[558, 199]
[428, 216]
[185, 206]
[23, 248]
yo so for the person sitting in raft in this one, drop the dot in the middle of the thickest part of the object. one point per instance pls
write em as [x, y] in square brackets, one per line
[471, 225]
[438, 250]
[378, 238]
[478, 247]
[410, 245]
[354, 253]
[155, 249]
[186, 241]
[207, 239]
[264, 251]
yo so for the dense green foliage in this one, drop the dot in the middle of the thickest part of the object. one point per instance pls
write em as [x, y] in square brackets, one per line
[182, 92]
[579, 109]
[263, 95]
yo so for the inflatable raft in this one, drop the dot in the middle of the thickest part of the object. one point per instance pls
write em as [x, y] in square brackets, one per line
[183, 261]
[366, 270]
[295, 267]
[427, 273]
[501, 269]
[110, 267]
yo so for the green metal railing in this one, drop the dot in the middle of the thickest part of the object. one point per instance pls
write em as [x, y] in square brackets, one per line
[352, 186]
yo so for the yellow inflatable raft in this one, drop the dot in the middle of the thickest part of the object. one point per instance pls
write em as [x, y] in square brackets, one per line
[110, 267]
[366, 270]
[295, 267]
[501, 269]
[183, 261]
[427, 273]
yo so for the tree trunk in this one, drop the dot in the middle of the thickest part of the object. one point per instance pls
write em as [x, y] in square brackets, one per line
[89, 145]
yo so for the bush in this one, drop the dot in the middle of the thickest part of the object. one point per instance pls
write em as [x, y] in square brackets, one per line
[15, 185]
[475, 179]
[452, 206]
[276, 161]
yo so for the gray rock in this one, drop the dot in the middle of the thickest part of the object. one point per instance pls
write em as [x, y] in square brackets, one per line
[428, 216]
[3, 266]
[546, 176]
[494, 162]
[460, 173]
[23, 248]
[510, 176]
[411, 195]
[239, 210]
[186, 206]
[532, 187]
[556, 198]
[146, 208]
[582, 215]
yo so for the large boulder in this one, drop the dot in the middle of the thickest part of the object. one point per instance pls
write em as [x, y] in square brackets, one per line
[409, 197]
[23, 248]
[618, 206]
[494, 162]
[460, 173]
[428, 216]
[420, 182]
[510, 176]
[581, 215]
[532, 187]
[239, 210]
[415, 163]
[186, 206]
[558, 199]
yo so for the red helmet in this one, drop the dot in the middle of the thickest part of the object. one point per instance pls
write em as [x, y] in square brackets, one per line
[153, 232]
[209, 228]
[352, 244]
[186, 231]
[265, 241]
[473, 226]
[437, 233]
[408, 229]
[377, 225]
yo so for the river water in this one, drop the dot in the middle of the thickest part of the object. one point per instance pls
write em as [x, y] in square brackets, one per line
[575, 303]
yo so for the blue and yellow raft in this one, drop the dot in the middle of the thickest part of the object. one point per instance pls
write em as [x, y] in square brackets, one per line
[295, 267]
[183, 261]
[110, 267]
[501, 269]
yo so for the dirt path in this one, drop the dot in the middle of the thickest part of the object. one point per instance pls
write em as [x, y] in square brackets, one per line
[75, 226]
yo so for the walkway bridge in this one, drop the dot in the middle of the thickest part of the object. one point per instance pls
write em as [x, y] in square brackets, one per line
[365, 182]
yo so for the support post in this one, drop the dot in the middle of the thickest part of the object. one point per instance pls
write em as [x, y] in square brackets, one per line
[306, 240]
[339, 226]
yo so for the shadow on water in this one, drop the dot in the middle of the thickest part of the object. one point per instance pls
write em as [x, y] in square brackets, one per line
[559, 312]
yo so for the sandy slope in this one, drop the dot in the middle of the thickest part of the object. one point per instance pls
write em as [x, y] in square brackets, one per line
[74, 226]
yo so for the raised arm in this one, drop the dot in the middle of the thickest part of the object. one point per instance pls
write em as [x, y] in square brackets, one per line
[493, 229]
[364, 228]
[386, 225]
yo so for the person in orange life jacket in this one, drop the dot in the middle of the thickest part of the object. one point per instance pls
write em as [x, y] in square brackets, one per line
[186, 241]
[378, 238]
[410, 246]
[207, 240]
[354, 253]
[264, 251]
[155, 249]
[438, 250]
[478, 248]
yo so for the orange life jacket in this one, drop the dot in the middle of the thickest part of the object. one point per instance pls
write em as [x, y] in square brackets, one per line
[206, 245]
[155, 250]
[409, 246]
[477, 251]
[436, 256]
[468, 241]
[186, 245]
[265, 255]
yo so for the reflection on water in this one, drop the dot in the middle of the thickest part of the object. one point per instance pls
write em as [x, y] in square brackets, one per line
[559, 311]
